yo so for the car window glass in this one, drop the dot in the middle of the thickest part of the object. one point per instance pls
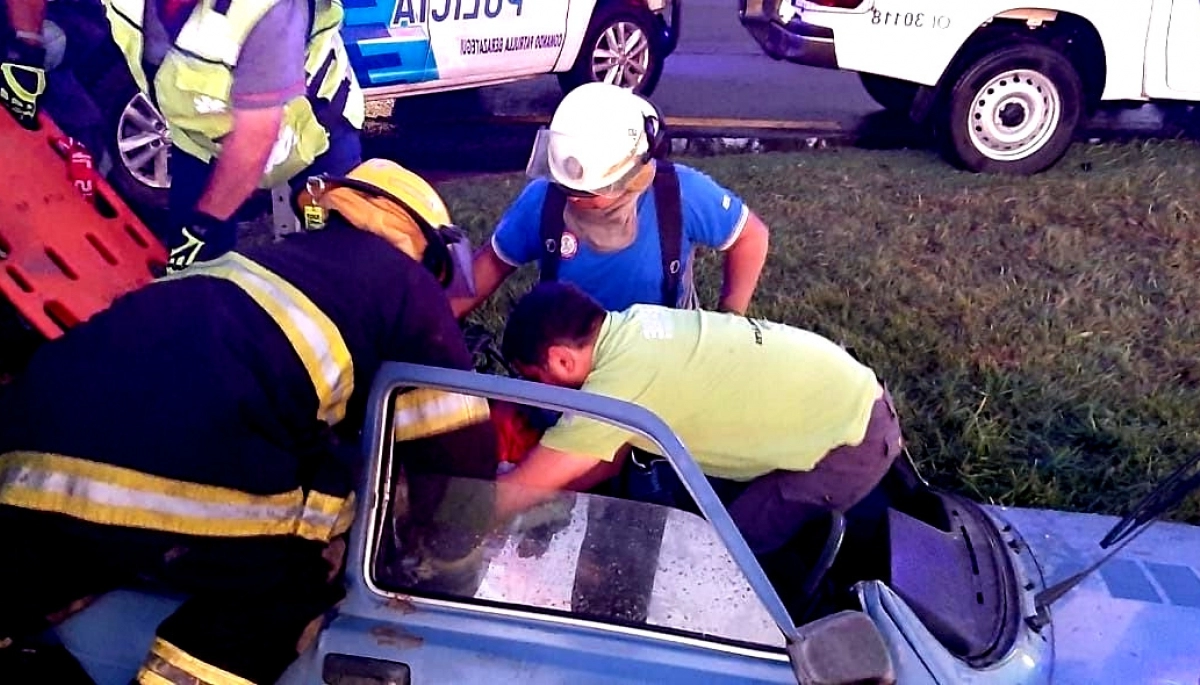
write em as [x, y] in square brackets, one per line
[588, 556]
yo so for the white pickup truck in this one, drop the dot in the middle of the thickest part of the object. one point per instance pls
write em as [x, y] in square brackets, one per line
[1002, 83]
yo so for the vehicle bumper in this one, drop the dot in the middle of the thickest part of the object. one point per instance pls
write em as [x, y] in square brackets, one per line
[795, 41]
[670, 14]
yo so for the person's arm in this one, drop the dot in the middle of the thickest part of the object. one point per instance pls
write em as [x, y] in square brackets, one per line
[716, 217]
[239, 168]
[743, 265]
[445, 440]
[516, 241]
[445, 432]
[269, 74]
[490, 272]
[545, 472]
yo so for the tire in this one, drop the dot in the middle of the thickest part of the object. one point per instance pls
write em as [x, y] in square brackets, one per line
[891, 94]
[128, 115]
[619, 25]
[1014, 110]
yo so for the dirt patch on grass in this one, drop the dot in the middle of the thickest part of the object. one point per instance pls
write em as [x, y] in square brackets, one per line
[1041, 335]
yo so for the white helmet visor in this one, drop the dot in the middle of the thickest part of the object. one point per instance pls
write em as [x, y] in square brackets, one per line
[584, 165]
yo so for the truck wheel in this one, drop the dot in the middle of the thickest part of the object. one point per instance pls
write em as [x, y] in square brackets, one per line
[892, 94]
[137, 142]
[1013, 111]
[620, 48]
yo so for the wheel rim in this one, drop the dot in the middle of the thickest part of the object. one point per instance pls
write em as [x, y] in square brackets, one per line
[1014, 115]
[144, 143]
[622, 55]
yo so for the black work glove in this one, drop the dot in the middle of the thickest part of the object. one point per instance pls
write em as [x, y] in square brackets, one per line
[22, 81]
[201, 239]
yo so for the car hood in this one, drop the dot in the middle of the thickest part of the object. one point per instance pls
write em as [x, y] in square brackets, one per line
[1136, 619]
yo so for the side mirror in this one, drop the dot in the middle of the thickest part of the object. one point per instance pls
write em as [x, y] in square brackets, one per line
[842, 649]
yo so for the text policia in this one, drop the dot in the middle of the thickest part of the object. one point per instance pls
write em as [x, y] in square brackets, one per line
[422, 11]
[483, 46]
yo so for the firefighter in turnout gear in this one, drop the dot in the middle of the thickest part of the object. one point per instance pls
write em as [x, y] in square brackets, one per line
[190, 432]
[255, 94]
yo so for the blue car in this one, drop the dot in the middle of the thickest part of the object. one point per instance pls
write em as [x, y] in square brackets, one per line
[913, 586]
[397, 48]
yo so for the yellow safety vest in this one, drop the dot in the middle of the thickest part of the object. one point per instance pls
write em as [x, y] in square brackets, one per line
[193, 84]
[113, 495]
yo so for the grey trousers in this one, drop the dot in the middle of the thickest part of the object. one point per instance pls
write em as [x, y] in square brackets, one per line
[772, 508]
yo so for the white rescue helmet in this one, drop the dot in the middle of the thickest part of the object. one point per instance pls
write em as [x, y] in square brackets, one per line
[599, 138]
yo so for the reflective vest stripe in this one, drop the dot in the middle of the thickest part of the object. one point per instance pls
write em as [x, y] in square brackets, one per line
[118, 496]
[427, 412]
[213, 39]
[314, 337]
[325, 516]
[176, 666]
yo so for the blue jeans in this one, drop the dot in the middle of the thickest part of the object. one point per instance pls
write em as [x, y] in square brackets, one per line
[189, 178]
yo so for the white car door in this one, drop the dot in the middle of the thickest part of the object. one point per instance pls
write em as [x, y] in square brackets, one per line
[1177, 23]
[486, 40]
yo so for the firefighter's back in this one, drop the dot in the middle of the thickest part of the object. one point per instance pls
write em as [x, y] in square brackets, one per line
[192, 379]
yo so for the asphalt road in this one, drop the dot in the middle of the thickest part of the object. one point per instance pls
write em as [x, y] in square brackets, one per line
[718, 71]
[718, 82]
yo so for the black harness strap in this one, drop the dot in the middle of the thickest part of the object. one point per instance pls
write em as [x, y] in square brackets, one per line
[670, 229]
[669, 212]
[552, 232]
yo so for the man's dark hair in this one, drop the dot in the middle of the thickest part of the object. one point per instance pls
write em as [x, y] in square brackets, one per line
[551, 314]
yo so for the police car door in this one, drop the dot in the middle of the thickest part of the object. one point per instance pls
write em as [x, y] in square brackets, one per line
[387, 43]
[488, 40]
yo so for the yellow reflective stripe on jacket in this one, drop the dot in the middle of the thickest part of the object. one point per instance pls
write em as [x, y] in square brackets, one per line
[325, 516]
[426, 412]
[168, 663]
[316, 340]
[117, 496]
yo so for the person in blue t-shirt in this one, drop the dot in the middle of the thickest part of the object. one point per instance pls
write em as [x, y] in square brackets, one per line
[602, 158]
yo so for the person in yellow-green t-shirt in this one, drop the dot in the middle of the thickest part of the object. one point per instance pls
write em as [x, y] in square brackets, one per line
[787, 422]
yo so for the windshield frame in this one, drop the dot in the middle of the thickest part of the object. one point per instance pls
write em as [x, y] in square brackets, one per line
[376, 442]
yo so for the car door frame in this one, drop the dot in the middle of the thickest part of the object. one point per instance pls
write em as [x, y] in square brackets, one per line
[368, 606]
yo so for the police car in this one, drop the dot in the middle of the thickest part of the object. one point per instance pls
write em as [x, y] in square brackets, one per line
[397, 48]
[1003, 83]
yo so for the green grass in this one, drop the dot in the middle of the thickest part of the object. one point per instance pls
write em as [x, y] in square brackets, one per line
[1041, 335]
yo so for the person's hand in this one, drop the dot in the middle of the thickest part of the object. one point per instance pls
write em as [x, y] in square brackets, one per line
[22, 81]
[202, 238]
[541, 523]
